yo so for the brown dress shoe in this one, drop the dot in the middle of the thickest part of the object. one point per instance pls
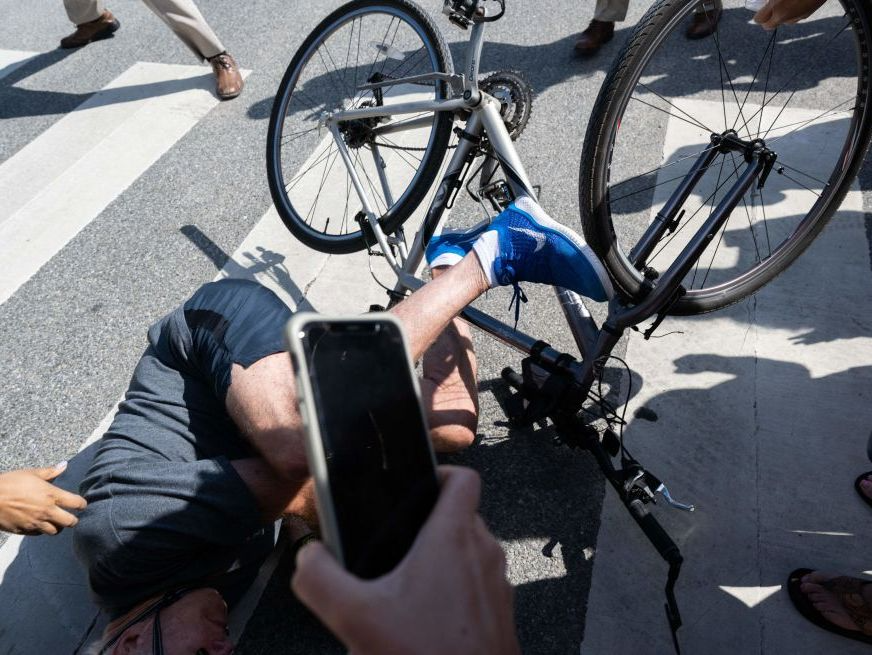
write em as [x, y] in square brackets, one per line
[227, 78]
[705, 22]
[101, 28]
[597, 34]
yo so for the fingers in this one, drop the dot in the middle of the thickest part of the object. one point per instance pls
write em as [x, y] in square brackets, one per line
[61, 519]
[460, 492]
[69, 500]
[325, 587]
[764, 16]
[50, 472]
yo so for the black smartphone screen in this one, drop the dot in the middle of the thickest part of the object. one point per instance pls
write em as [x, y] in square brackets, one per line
[379, 464]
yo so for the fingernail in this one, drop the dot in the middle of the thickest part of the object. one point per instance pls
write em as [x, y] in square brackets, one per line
[61, 465]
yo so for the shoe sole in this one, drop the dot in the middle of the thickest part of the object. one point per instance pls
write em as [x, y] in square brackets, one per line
[581, 52]
[106, 33]
[229, 97]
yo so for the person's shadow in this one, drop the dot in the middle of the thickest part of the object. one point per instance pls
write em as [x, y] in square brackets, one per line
[18, 102]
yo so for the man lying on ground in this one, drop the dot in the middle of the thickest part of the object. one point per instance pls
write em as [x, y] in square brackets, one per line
[206, 450]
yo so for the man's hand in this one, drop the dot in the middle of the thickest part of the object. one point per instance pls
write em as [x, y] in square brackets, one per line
[779, 12]
[31, 505]
[449, 594]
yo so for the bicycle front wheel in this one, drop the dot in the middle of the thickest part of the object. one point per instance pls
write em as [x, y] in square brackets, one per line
[803, 89]
[395, 158]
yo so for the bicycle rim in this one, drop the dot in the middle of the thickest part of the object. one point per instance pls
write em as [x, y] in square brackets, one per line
[314, 193]
[803, 89]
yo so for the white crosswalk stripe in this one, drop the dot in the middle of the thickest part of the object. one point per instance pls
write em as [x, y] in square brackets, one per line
[12, 59]
[62, 180]
[37, 220]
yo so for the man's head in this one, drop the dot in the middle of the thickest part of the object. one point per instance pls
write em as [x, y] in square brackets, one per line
[191, 622]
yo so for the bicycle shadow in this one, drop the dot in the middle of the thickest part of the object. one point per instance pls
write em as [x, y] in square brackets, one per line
[767, 450]
[19, 102]
[261, 265]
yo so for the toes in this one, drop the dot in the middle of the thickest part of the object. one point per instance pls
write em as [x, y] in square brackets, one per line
[819, 576]
[836, 617]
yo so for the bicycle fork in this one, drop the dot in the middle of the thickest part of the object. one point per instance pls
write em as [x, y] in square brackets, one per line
[560, 384]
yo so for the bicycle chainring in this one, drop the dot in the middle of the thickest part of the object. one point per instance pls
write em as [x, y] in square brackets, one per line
[515, 96]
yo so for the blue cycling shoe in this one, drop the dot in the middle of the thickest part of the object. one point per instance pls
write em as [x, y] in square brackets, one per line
[449, 247]
[523, 244]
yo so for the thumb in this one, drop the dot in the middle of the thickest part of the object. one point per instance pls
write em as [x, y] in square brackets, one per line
[51, 472]
[325, 587]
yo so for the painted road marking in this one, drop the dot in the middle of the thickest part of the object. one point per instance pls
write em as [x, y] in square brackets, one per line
[12, 59]
[61, 181]
[273, 257]
[763, 416]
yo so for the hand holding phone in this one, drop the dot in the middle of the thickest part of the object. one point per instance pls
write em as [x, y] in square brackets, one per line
[449, 594]
[366, 438]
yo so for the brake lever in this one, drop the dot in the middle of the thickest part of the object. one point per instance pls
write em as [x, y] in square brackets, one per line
[645, 481]
[661, 488]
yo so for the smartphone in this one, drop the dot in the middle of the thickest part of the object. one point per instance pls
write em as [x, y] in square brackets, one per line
[366, 437]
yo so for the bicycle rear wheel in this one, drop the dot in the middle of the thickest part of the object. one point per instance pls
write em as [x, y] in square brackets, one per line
[803, 89]
[362, 42]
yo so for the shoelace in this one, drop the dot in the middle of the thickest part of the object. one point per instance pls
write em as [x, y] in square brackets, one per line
[518, 297]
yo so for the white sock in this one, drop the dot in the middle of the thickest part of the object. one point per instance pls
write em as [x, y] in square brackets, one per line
[487, 248]
[445, 259]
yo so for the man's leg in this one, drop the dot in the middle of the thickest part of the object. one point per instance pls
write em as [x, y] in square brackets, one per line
[449, 386]
[261, 397]
[83, 11]
[93, 22]
[186, 21]
[602, 27]
[611, 11]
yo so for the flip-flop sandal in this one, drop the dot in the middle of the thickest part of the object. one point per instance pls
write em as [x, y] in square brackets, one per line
[864, 476]
[847, 590]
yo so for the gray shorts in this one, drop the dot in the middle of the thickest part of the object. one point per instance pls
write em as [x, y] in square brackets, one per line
[165, 506]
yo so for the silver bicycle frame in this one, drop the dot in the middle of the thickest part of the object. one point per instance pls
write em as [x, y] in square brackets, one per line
[484, 119]
[594, 343]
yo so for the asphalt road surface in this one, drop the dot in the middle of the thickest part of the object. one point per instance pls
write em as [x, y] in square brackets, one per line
[134, 185]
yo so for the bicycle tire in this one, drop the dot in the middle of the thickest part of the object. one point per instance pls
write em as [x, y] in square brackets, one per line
[394, 215]
[596, 204]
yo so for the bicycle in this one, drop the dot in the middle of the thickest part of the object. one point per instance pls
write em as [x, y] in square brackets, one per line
[697, 186]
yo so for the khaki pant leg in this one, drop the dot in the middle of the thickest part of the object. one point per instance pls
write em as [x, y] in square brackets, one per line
[83, 11]
[188, 23]
[611, 11]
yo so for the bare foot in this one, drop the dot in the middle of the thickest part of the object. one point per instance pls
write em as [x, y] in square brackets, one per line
[843, 601]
